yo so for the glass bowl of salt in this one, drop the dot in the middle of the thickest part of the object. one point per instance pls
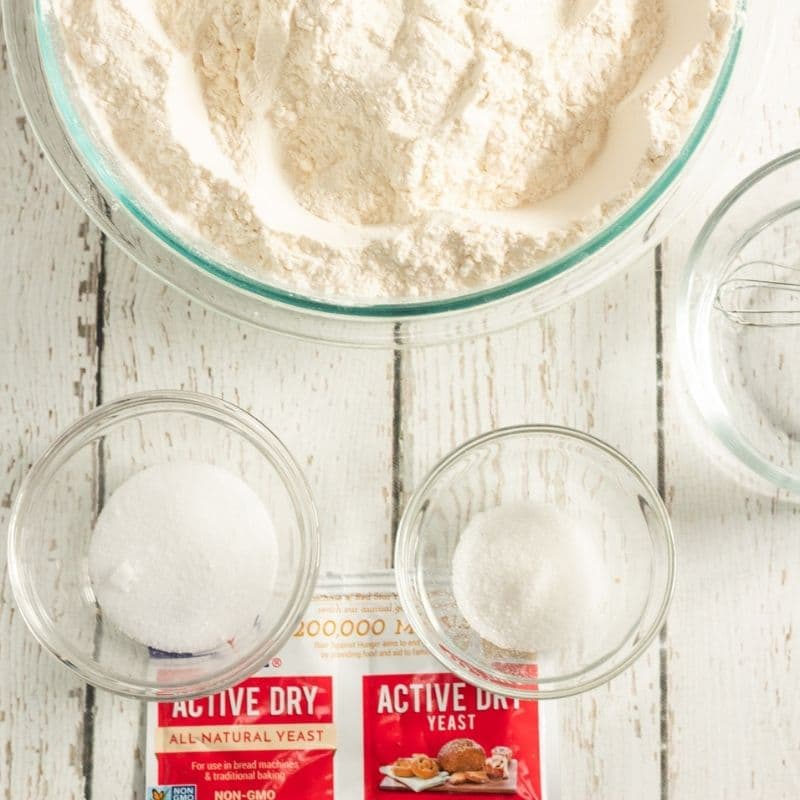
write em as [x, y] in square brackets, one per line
[535, 562]
[165, 546]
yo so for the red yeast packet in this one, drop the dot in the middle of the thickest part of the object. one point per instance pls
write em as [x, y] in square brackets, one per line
[353, 707]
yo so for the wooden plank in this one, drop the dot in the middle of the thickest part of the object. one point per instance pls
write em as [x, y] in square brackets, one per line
[50, 258]
[332, 407]
[734, 711]
[589, 365]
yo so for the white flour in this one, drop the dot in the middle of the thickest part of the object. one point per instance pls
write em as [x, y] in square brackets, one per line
[396, 148]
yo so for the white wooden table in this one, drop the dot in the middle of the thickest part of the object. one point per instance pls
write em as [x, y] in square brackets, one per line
[712, 711]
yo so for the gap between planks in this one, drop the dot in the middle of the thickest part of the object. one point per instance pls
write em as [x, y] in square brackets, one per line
[663, 678]
[397, 434]
[90, 696]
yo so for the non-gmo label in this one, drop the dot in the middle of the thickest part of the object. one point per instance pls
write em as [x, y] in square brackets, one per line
[184, 792]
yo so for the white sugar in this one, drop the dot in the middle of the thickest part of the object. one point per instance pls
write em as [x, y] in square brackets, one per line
[526, 577]
[183, 556]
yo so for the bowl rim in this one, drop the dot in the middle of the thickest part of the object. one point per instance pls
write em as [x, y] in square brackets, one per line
[123, 409]
[697, 358]
[406, 564]
[409, 311]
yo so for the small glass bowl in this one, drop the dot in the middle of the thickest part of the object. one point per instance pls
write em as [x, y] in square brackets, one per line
[739, 322]
[56, 508]
[625, 525]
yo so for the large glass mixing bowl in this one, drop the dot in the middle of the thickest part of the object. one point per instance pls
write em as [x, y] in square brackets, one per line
[36, 66]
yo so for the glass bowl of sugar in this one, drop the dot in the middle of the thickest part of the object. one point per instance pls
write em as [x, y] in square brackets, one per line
[535, 562]
[164, 546]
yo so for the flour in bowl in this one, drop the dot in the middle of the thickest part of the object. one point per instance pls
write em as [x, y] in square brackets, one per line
[403, 148]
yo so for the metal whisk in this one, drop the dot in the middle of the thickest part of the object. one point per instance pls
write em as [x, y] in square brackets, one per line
[761, 302]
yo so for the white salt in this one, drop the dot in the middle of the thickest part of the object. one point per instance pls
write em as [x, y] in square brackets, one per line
[183, 557]
[526, 577]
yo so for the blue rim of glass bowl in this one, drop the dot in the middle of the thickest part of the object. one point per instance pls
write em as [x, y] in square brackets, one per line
[410, 310]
